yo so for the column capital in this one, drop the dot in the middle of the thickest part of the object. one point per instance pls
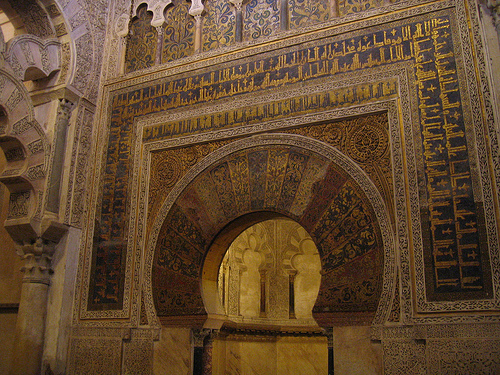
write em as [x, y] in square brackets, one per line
[237, 3]
[196, 8]
[199, 336]
[160, 30]
[37, 258]
[64, 109]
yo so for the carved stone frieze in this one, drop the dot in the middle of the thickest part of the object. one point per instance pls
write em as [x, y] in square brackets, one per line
[462, 357]
[90, 355]
[36, 172]
[404, 356]
[19, 204]
[34, 18]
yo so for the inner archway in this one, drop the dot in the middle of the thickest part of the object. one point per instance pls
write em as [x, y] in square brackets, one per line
[326, 195]
[270, 275]
[248, 182]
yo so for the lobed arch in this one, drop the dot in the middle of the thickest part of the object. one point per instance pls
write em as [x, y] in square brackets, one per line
[29, 15]
[33, 58]
[26, 151]
[188, 236]
[75, 31]
[155, 7]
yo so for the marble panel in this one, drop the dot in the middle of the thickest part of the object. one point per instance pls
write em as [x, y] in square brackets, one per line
[244, 356]
[302, 355]
[355, 353]
[256, 354]
[172, 354]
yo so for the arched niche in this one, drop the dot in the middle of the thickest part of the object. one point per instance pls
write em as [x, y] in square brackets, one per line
[25, 147]
[270, 275]
[141, 41]
[261, 178]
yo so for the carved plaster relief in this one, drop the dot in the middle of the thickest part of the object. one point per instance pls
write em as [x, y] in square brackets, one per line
[32, 58]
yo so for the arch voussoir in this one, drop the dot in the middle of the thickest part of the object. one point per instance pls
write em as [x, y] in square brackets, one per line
[317, 186]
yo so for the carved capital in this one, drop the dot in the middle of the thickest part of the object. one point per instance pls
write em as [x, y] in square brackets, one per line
[237, 3]
[494, 7]
[121, 25]
[199, 336]
[197, 8]
[37, 258]
[197, 19]
[64, 110]
[159, 30]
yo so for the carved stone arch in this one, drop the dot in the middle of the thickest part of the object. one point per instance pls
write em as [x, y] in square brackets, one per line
[263, 247]
[26, 149]
[15, 99]
[156, 7]
[187, 245]
[34, 17]
[265, 250]
[43, 46]
[33, 58]
[81, 30]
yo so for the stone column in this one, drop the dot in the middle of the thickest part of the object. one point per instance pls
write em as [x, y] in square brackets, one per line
[238, 32]
[121, 30]
[284, 15]
[61, 128]
[208, 345]
[291, 294]
[30, 327]
[241, 269]
[196, 11]
[334, 8]
[198, 338]
[159, 44]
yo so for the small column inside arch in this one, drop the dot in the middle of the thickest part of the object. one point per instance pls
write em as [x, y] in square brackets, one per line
[334, 8]
[238, 291]
[61, 128]
[291, 294]
[284, 21]
[159, 44]
[263, 296]
[238, 32]
[196, 12]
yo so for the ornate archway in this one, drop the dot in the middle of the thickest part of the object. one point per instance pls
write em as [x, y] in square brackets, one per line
[264, 177]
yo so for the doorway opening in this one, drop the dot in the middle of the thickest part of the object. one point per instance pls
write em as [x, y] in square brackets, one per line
[270, 275]
[267, 285]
